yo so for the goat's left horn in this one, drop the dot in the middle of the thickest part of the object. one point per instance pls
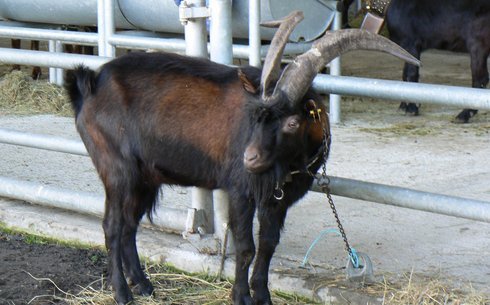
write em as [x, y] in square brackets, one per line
[298, 75]
[272, 62]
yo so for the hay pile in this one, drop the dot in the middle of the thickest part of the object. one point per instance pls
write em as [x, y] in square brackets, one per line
[420, 290]
[19, 94]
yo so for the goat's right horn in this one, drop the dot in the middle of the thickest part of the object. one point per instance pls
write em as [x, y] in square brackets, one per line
[272, 62]
[298, 75]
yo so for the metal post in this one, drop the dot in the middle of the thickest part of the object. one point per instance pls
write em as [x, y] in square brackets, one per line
[221, 51]
[59, 72]
[105, 26]
[195, 30]
[335, 69]
[196, 45]
[254, 43]
[52, 71]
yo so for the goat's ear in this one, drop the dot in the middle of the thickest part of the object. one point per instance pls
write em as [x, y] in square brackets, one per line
[310, 105]
[247, 84]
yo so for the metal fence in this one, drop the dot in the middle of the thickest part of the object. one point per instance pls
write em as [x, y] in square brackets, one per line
[222, 51]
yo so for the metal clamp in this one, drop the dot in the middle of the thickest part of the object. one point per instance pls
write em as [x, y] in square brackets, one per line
[192, 9]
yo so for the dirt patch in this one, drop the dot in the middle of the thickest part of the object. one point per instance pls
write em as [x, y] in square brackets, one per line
[31, 267]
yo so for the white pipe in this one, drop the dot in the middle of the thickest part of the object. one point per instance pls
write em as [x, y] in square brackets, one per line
[391, 90]
[220, 46]
[409, 198]
[47, 59]
[196, 45]
[254, 43]
[45, 142]
[46, 34]
[335, 69]
[109, 27]
[82, 202]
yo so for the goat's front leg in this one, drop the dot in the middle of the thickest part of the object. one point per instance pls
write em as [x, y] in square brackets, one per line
[271, 219]
[241, 224]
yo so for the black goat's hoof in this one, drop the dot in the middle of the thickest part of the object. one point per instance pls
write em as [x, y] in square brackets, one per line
[124, 299]
[263, 302]
[144, 288]
[242, 299]
[410, 108]
[465, 115]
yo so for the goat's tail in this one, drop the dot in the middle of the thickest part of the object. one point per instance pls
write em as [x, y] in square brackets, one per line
[80, 84]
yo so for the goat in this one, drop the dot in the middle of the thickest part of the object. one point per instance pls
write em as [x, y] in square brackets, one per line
[158, 118]
[454, 25]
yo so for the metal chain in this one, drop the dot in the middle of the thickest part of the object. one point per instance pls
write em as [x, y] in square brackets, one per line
[324, 185]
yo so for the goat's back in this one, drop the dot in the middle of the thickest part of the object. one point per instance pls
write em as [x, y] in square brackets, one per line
[175, 116]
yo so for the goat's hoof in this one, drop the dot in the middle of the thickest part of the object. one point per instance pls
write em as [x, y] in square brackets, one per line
[465, 116]
[124, 299]
[242, 299]
[411, 108]
[263, 302]
[144, 288]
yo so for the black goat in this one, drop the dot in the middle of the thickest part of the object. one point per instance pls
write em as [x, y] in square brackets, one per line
[454, 25]
[157, 118]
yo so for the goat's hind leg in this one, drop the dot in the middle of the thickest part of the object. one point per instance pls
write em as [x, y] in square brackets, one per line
[142, 200]
[113, 226]
[241, 222]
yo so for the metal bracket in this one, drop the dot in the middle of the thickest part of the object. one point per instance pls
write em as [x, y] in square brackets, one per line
[192, 9]
[195, 222]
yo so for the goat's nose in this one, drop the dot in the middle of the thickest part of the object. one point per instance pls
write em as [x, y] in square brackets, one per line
[249, 157]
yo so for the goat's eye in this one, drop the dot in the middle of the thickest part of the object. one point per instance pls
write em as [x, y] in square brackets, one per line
[291, 124]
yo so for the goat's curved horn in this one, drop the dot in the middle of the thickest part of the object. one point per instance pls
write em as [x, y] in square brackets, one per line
[298, 75]
[272, 63]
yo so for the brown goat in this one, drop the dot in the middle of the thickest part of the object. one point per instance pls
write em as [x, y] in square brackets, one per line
[158, 118]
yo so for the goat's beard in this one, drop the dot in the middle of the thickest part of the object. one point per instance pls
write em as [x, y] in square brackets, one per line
[263, 185]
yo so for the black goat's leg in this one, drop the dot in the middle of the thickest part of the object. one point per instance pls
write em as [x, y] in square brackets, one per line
[410, 74]
[271, 219]
[134, 209]
[241, 224]
[113, 224]
[479, 77]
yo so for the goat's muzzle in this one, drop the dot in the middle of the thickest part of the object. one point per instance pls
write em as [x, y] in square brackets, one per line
[254, 161]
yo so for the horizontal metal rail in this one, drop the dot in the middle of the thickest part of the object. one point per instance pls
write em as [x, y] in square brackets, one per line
[391, 195]
[83, 202]
[47, 59]
[345, 85]
[47, 34]
[397, 90]
[59, 144]
[408, 198]
[130, 40]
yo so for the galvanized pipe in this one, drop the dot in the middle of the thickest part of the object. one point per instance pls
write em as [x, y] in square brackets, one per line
[109, 27]
[220, 46]
[254, 43]
[45, 142]
[82, 202]
[196, 45]
[397, 90]
[47, 59]
[409, 198]
[46, 34]
[335, 69]
[138, 42]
